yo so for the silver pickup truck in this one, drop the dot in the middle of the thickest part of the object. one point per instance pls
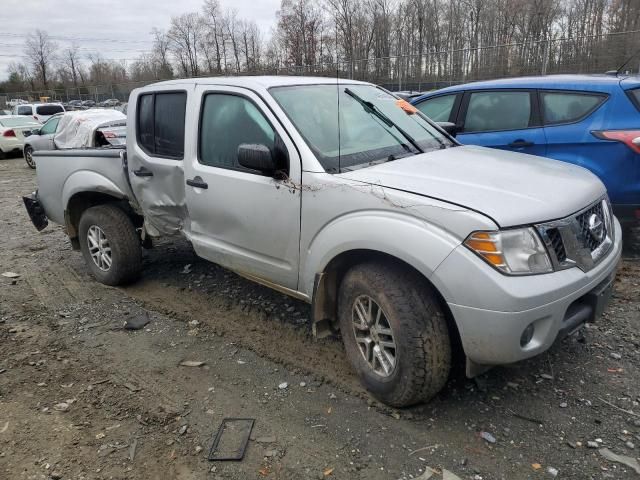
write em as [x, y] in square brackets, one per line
[340, 194]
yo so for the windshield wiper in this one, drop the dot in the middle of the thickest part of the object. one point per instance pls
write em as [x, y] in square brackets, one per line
[373, 110]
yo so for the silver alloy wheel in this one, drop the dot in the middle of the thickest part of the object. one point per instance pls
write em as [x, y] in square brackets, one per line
[99, 248]
[374, 335]
[29, 157]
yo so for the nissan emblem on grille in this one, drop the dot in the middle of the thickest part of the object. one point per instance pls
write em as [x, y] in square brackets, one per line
[581, 239]
[596, 227]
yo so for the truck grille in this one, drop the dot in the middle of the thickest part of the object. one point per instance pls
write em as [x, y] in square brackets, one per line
[582, 239]
[556, 244]
[589, 239]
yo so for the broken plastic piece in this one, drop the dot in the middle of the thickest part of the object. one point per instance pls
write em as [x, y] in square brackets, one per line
[231, 439]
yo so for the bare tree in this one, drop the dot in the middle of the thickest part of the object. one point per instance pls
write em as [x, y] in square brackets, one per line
[184, 36]
[40, 50]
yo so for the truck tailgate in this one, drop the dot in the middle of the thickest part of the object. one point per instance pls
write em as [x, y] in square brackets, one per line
[63, 173]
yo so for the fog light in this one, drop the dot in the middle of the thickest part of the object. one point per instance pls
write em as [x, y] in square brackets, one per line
[527, 335]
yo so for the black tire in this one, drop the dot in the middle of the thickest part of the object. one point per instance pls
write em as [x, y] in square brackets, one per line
[423, 346]
[28, 157]
[122, 238]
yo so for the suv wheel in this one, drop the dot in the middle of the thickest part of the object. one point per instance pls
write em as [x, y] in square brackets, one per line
[110, 245]
[395, 333]
[28, 157]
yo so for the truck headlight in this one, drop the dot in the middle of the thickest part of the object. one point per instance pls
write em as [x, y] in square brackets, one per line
[515, 252]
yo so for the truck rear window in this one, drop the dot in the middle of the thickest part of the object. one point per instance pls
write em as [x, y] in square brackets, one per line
[49, 109]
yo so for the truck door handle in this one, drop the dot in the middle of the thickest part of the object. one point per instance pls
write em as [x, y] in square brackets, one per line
[520, 143]
[143, 172]
[197, 182]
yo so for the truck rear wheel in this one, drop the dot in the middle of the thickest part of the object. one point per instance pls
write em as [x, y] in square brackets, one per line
[110, 245]
[395, 333]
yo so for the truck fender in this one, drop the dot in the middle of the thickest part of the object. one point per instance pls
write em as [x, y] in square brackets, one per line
[404, 237]
[84, 181]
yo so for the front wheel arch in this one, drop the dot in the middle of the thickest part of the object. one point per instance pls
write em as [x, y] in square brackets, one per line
[327, 285]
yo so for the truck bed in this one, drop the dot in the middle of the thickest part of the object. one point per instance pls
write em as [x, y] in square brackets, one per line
[64, 173]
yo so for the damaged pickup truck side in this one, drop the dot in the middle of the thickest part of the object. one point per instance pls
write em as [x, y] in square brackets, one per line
[340, 194]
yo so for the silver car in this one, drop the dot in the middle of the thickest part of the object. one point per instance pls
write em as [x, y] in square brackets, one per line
[41, 139]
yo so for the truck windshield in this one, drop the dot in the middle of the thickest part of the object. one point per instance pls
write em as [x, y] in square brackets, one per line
[350, 126]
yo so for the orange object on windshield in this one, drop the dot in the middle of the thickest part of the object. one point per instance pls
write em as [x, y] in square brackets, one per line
[406, 106]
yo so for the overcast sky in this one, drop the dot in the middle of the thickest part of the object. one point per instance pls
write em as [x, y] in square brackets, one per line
[118, 29]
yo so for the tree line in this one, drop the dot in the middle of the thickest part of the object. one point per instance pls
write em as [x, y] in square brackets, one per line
[377, 40]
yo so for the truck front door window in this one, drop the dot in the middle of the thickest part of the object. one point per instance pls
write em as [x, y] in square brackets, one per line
[227, 122]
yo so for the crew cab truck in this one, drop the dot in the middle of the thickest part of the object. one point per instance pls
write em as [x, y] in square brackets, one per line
[338, 193]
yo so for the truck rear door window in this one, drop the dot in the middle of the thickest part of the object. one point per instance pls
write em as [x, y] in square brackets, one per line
[161, 124]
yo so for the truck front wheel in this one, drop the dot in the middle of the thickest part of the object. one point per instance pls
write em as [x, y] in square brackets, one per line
[395, 333]
[110, 245]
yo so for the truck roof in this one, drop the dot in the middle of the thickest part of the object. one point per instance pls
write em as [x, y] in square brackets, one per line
[264, 81]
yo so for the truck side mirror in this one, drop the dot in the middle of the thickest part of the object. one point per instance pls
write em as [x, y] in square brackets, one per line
[256, 157]
[34, 132]
[449, 127]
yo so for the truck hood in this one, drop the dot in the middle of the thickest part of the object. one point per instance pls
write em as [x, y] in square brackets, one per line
[510, 188]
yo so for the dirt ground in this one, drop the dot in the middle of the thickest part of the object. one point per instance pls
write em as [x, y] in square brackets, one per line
[82, 398]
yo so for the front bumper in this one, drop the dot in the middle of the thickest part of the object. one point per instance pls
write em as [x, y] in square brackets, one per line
[492, 310]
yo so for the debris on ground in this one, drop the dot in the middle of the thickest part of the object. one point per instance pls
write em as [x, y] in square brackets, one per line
[428, 473]
[486, 436]
[61, 407]
[11, 275]
[447, 475]
[186, 269]
[552, 471]
[192, 363]
[623, 459]
[231, 439]
[283, 386]
[132, 449]
[136, 323]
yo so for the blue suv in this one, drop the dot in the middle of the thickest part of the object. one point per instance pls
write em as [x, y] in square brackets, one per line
[589, 120]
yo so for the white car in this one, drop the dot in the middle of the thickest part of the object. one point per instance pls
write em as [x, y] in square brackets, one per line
[12, 129]
[40, 111]
[15, 102]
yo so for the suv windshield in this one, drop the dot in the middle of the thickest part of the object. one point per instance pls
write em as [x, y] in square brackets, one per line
[351, 126]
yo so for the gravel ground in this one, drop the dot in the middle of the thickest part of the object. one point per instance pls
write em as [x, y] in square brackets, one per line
[80, 397]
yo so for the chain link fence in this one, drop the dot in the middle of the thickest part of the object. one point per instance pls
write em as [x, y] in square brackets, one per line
[430, 70]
